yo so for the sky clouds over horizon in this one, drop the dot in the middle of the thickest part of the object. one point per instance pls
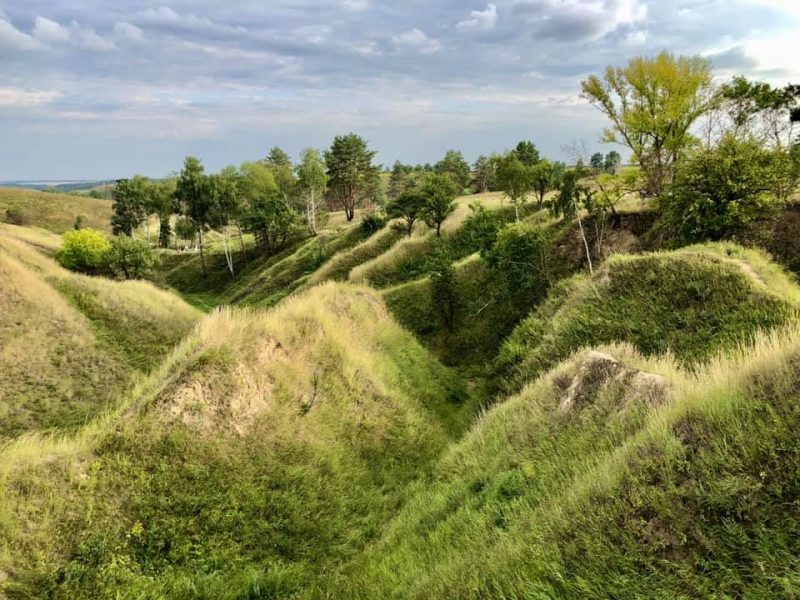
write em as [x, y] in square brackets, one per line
[94, 89]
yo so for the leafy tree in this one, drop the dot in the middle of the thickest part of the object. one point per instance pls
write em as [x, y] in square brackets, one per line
[596, 162]
[84, 250]
[611, 162]
[520, 256]
[514, 179]
[278, 158]
[129, 258]
[759, 110]
[484, 169]
[410, 207]
[282, 170]
[372, 222]
[185, 229]
[439, 192]
[312, 181]
[225, 209]
[350, 171]
[131, 198]
[527, 153]
[544, 178]
[570, 192]
[718, 191]
[399, 179]
[454, 165]
[196, 199]
[164, 205]
[652, 104]
[270, 219]
[444, 291]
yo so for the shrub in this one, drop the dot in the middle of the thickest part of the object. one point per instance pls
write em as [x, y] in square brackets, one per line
[129, 258]
[15, 216]
[372, 222]
[719, 191]
[520, 257]
[84, 250]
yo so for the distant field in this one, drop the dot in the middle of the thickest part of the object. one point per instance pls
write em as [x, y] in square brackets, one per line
[54, 212]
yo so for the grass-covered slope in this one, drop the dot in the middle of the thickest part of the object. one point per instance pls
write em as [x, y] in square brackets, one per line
[692, 303]
[69, 344]
[54, 212]
[613, 476]
[267, 450]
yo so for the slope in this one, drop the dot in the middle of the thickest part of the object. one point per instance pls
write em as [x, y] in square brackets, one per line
[267, 449]
[54, 212]
[69, 343]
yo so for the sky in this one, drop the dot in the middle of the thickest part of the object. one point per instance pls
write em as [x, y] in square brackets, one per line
[92, 89]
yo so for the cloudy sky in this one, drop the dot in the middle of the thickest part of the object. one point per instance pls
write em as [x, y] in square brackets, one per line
[96, 89]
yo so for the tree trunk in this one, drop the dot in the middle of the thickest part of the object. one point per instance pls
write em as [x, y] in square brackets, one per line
[202, 254]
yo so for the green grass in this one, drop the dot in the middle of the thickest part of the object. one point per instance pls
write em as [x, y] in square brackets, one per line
[69, 344]
[55, 212]
[691, 303]
[275, 446]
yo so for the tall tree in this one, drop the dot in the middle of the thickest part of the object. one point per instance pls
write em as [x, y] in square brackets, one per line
[409, 206]
[527, 153]
[652, 104]
[596, 162]
[439, 192]
[515, 179]
[612, 162]
[757, 109]
[398, 179]
[164, 205]
[454, 164]
[131, 199]
[278, 158]
[350, 171]
[312, 181]
[196, 199]
[485, 169]
[543, 180]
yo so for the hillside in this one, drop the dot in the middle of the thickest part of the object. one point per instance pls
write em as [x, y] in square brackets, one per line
[269, 447]
[68, 343]
[54, 212]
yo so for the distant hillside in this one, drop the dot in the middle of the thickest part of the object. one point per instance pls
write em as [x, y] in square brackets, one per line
[54, 212]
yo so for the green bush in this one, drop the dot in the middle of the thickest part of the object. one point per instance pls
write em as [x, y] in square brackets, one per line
[372, 222]
[84, 250]
[15, 216]
[129, 258]
[520, 257]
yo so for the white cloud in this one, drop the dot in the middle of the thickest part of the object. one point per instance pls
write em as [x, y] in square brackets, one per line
[128, 31]
[167, 17]
[482, 20]
[17, 98]
[50, 32]
[13, 38]
[89, 40]
[416, 40]
[580, 20]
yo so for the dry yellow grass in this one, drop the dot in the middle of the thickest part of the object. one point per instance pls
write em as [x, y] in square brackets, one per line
[55, 212]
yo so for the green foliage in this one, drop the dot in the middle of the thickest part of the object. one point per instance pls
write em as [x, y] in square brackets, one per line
[129, 258]
[409, 206]
[520, 257]
[454, 165]
[272, 220]
[527, 153]
[16, 216]
[371, 222]
[445, 293]
[311, 183]
[758, 110]
[185, 229]
[545, 176]
[515, 179]
[485, 169]
[131, 199]
[84, 250]
[350, 171]
[719, 191]
[570, 194]
[691, 303]
[652, 104]
[439, 193]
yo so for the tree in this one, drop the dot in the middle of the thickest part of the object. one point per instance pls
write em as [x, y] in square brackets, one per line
[282, 170]
[410, 207]
[652, 104]
[439, 192]
[444, 291]
[515, 180]
[399, 179]
[131, 197]
[278, 158]
[164, 205]
[225, 208]
[196, 200]
[350, 169]
[566, 204]
[719, 191]
[454, 165]
[129, 258]
[520, 257]
[757, 109]
[84, 250]
[527, 153]
[484, 173]
[312, 181]
[612, 162]
[596, 162]
[543, 180]
[185, 229]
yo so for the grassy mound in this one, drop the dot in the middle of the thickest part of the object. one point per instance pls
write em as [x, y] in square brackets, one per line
[267, 450]
[613, 476]
[54, 212]
[692, 303]
[69, 343]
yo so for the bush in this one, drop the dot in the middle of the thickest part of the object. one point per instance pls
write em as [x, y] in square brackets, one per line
[520, 257]
[129, 258]
[84, 250]
[15, 216]
[372, 222]
[719, 191]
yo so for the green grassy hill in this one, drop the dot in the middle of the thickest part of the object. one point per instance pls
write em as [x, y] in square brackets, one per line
[54, 212]
[69, 344]
[269, 448]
